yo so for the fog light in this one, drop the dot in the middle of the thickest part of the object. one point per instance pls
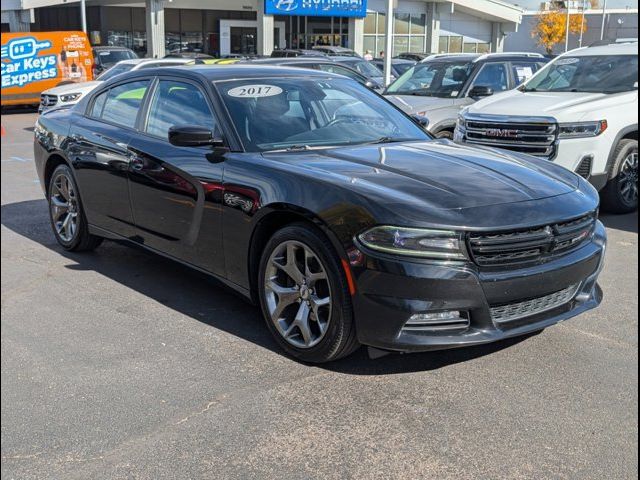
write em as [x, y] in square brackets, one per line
[445, 320]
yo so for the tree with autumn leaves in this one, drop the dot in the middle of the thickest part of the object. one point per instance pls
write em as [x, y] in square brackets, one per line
[550, 28]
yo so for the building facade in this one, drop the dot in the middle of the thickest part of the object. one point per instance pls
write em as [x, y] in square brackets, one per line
[223, 27]
[618, 24]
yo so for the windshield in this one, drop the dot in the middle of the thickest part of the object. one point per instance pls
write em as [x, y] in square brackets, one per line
[433, 79]
[593, 74]
[111, 57]
[115, 70]
[365, 68]
[304, 113]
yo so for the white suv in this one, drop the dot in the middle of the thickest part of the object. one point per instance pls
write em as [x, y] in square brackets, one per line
[69, 94]
[580, 111]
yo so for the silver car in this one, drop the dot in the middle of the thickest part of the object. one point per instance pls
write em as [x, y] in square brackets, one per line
[441, 85]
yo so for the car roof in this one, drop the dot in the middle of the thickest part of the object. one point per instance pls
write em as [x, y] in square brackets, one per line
[216, 73]
[630, 48]
[108, 47]
[292, 60]
[140, 61]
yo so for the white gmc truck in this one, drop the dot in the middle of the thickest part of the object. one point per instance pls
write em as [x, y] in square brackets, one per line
[580, 111]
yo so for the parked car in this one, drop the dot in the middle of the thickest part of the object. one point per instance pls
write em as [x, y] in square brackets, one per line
[363, 67]
[294, 52]
[581, 112]
[189, 55]
[106, 57]
[415, 57]
[398, 66]
[70, 94]
[333, 51]
[442, 85]
[325, 205]
[327, 64]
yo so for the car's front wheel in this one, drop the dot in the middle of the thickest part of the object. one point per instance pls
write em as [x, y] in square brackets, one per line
[621, 193]
[305, 297]
[66, 213]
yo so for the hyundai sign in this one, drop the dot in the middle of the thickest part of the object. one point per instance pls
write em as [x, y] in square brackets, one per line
[317, 8]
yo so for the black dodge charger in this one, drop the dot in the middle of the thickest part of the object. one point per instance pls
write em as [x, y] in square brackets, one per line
[327, 206]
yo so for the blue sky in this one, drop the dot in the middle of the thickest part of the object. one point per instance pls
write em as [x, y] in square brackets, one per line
[535, 4]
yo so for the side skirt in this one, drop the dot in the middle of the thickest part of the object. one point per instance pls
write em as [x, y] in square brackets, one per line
[244, 292]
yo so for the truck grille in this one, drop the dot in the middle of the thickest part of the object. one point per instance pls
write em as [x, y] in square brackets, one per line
[537, 138]
[48, 100]
[515, 311]
[532, 245]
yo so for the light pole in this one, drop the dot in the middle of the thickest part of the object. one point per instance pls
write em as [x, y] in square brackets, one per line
[584, 9]
[83, 15]
[388, 54]
[566, 41]
[604, 19]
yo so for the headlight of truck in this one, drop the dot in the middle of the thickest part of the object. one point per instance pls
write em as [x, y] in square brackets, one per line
[583, 129]
[415, 242]
[70, 97]
[461, 122]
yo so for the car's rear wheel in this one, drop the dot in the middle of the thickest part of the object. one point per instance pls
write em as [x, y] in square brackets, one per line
[66, 214]
[305, 297]
[621, 193]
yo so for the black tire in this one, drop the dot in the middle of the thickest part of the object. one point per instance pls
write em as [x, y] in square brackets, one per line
[80, 240]
[340, 338]
[613, 200]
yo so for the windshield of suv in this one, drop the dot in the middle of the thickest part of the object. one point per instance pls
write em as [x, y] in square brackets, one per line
[433, 79]
[304, 113]
[593, 74]
[115, 70]
[111, 57]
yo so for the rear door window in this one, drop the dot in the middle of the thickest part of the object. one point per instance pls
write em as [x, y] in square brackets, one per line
[493, 75]
[120, 105]
[523, 71]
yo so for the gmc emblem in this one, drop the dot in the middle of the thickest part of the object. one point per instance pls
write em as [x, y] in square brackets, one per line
[502, 133]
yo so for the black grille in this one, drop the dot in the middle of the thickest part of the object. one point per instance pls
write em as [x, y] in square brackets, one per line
[584, 169]
[532, 245]
[537, 139]
[48, 100]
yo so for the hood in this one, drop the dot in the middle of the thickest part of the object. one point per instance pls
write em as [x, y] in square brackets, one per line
[563, 106]
[435, 175]
[83, 87]
[413, 104]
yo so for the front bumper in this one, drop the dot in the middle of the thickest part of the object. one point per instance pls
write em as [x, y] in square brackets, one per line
[392, 290]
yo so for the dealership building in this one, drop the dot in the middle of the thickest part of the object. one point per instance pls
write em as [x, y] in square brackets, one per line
[223, 27]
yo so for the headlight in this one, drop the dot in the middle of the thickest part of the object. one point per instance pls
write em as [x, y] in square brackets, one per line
[70, 97]
[415, 242]
[460, 122]
[583, 129]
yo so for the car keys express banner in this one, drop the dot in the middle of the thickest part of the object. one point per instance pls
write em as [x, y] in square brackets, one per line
[317, 8]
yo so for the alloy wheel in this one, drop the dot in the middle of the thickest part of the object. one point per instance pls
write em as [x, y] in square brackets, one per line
[628, 179]
[64, 207]
[298, 294]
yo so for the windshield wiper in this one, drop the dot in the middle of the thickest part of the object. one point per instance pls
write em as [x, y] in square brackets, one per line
[298, 148]
[390, 140]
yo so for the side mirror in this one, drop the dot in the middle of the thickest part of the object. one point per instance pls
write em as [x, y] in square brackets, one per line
[481, 91]
[192, 136]
[421, 120]
[373, 85]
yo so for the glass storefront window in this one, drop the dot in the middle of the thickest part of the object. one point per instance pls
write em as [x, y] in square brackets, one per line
[400, 45]
[401, 24]
[470, 47]
[443, 46]
[118, 38]
[370, 44]
[455, 44]
[418, 24]
[484, 47]
[382, 23]
[417, 44]
[370, 24]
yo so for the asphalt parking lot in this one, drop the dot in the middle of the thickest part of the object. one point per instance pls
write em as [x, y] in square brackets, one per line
[122, 365]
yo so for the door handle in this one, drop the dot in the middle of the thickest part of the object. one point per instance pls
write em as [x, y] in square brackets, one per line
[137, 164]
